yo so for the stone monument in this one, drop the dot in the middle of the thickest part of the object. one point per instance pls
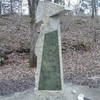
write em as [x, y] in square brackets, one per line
[49, 73]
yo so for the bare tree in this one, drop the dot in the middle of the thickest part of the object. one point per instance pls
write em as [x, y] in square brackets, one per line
[30, 9]
[0, 7]
[94, 9]
[59, 2]
[69, 3]
[11, 6]
[56, 1]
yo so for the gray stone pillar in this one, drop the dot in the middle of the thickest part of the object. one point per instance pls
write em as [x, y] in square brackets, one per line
[48, 13]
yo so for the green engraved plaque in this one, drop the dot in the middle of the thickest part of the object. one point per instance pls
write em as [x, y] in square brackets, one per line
[50, 74]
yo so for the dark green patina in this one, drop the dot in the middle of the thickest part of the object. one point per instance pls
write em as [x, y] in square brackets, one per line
[50, 78]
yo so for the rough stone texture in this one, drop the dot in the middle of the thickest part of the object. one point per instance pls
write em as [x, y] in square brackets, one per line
[46, 9]
[39, 50]
[49, 24]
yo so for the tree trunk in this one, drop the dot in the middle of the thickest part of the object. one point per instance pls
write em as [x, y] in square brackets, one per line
[69, 3]
[94, 9]
[11, 6]
[33, 57]
[56, 1]
[32, 9]
[29, 5]
[0, 8]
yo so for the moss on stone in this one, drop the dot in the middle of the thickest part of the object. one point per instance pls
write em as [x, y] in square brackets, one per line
[50, 77]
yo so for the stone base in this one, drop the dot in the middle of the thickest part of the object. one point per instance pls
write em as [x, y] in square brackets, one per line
[49, 96]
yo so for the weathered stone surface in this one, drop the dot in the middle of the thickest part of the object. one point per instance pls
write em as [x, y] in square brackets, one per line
[46, 13]
[46, 9]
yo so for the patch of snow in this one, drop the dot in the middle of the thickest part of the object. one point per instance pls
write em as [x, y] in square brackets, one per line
[81, 96]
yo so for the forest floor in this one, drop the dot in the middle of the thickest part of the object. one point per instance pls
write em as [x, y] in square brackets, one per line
[81, 50]
[80, 47]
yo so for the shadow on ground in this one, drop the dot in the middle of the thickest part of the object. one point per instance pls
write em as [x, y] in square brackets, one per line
[11, 86]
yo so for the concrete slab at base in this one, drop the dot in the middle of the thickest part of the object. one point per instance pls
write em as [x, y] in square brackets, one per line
[91, 93]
